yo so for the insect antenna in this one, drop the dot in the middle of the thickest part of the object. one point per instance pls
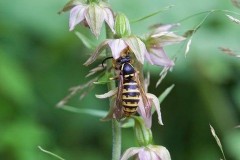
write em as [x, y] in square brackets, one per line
[105, 60]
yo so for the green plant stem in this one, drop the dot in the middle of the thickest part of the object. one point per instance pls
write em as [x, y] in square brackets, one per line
[208, 13]
[116, 127]
[116, 142]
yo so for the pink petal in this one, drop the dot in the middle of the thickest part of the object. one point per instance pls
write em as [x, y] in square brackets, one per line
[163, 27]
[144, 155]
[108, 17]
[130, 152]
[148, 154]
[76, 16]
[137, 46]
[156, 105]
[154, 156]
[159, 57]
[142, 112]
[161, 152]
[117, 46]
[167, 38]
[148, 58]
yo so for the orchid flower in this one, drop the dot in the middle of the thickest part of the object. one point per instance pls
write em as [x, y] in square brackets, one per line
[149, 152]
[156, 40]
[118, 45]
[93, 13]
[156, 107]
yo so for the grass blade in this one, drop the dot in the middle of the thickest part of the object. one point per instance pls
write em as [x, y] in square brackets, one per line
[50, 153]
[152, 14]
[85, 40]
[217, 140]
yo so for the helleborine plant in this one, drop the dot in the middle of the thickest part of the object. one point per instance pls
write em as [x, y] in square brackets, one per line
[93, 13]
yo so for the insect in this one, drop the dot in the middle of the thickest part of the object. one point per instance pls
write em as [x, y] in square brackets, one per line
[130, 90]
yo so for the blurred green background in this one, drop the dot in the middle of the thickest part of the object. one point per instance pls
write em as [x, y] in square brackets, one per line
[40, 60]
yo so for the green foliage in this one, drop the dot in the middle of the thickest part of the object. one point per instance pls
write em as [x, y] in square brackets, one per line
[233, 143]
[104, 78]
[92, 112]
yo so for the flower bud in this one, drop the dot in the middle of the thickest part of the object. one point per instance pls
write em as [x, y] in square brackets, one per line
[142, 133]
[122, 26]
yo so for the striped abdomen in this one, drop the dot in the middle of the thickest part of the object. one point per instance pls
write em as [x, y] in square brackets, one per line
[130, 97]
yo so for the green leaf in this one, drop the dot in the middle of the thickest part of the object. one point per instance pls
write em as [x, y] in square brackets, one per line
[92, 112]
[85, 40]
[127, 123]
[165, 93]
[50, 153]
[152, 14]
[104, 79]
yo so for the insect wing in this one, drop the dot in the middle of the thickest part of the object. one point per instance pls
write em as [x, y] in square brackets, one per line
[118, 107]
[147, 104]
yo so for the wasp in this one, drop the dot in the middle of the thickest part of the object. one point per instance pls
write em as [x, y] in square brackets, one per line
[130, 90]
